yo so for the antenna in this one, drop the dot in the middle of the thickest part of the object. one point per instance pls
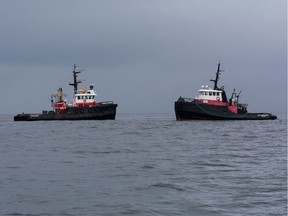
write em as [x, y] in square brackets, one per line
[217, 77]
[238, 96]
[75, 81]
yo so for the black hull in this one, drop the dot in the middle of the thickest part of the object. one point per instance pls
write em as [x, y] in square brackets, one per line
[100, 112]
[195, 111]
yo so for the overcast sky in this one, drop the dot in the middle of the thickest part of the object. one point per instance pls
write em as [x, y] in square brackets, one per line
[143, 54]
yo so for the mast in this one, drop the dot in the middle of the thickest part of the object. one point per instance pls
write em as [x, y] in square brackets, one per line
[217, 77]
[76, 82]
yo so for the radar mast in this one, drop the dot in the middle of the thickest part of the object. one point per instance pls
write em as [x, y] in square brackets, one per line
[76, 82]
[217, 77]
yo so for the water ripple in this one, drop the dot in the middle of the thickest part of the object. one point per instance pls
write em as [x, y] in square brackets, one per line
[142, 165]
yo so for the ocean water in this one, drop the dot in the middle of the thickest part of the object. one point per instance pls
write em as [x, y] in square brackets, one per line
[143, 165]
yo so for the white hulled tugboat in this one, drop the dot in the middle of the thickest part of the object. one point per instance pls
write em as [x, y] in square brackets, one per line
[83, 107]
[212, 104]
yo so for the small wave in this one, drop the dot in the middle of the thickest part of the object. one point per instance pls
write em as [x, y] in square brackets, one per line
[169, 186]
[12, 167]
[67, 162]
[214, 164]
[226, 135]
[147, 167]
[83, 152]
[15, 214]
[250, 136]
[20, 214]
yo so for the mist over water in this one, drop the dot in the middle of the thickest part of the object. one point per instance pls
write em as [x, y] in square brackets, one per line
[143, 165]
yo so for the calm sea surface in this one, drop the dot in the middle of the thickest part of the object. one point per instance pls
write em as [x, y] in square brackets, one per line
[143, 165]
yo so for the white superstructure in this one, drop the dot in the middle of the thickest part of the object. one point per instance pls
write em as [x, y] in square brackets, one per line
[206, 93]
[85, 97]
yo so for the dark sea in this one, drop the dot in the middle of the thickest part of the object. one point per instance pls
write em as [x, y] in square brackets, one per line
[143, 165]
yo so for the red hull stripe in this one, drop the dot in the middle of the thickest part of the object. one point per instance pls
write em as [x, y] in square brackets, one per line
[213, 102]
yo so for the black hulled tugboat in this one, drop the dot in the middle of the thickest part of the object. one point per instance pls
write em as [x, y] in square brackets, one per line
[83, 107]
[213, 104]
